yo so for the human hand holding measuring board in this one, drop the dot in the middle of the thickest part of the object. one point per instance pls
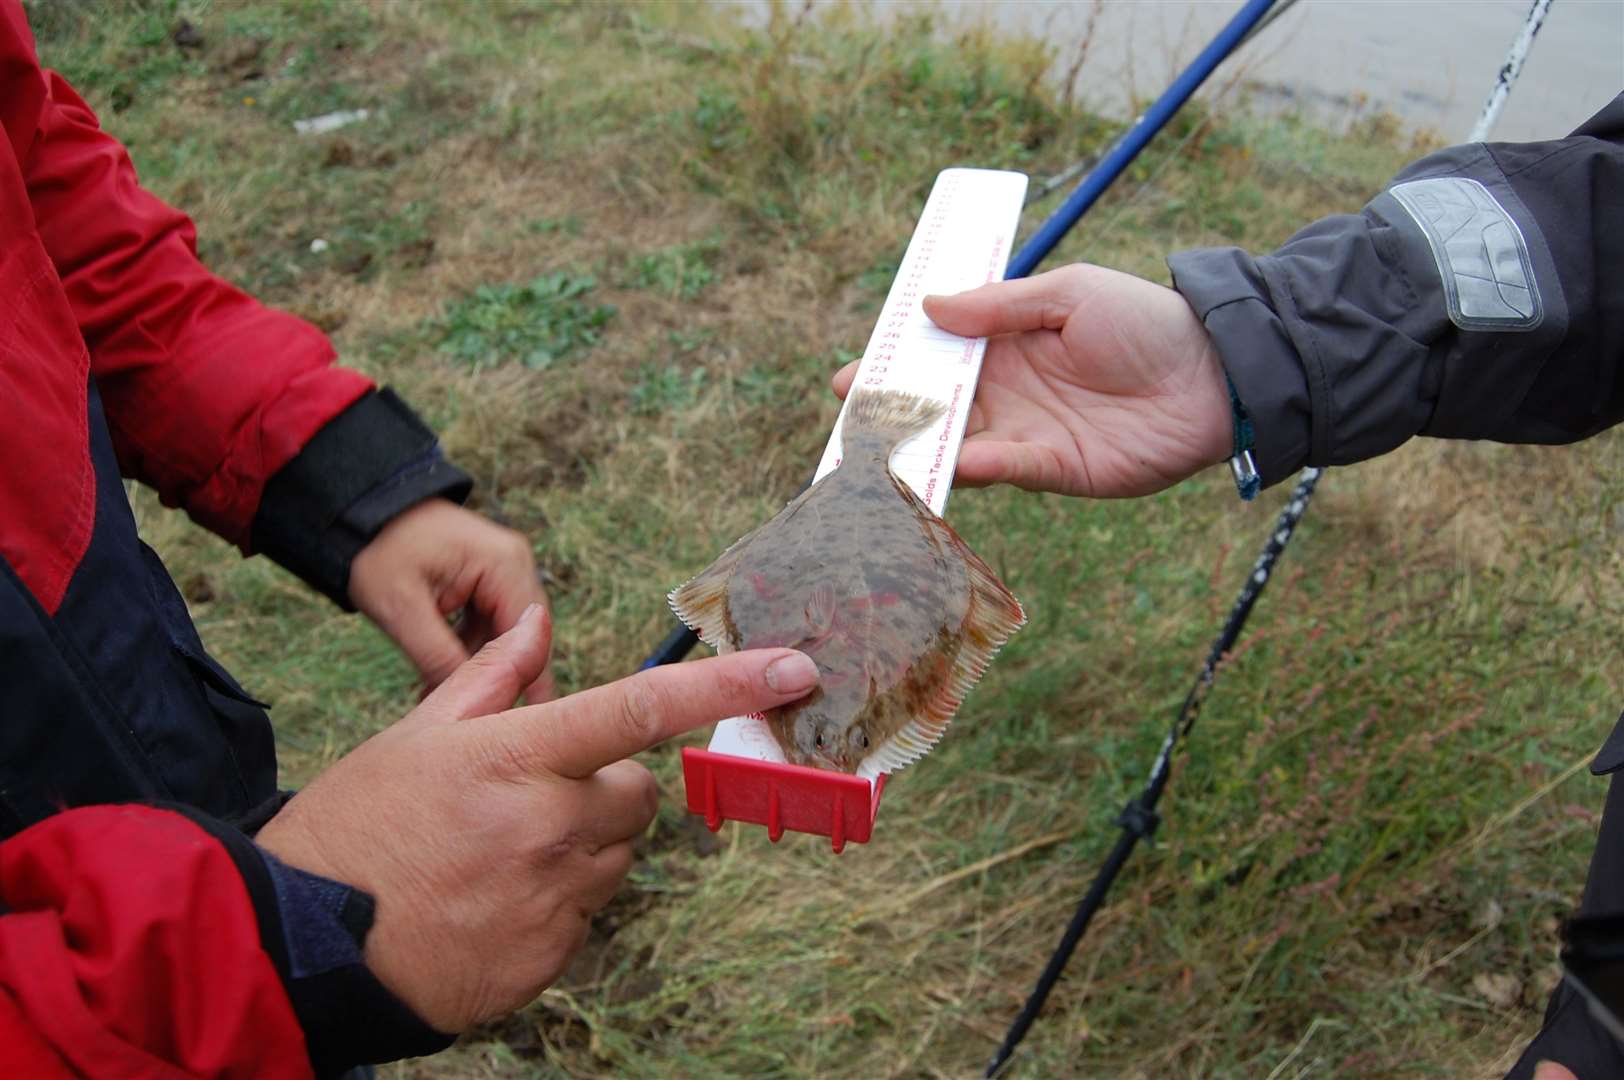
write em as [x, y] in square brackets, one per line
[861, 573]
[1095, 383]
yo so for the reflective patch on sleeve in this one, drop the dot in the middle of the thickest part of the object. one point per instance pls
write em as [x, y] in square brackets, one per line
[1482, 257]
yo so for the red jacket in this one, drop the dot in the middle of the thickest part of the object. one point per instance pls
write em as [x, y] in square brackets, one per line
[130, 948]
[133, 941]
[207, 393]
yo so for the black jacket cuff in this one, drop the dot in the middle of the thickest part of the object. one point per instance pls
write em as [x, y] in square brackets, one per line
[1326, 340]
[370, 463]
[313, 929]
[1225, 288]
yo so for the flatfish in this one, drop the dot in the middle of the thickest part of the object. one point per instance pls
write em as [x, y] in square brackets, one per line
[899, 614]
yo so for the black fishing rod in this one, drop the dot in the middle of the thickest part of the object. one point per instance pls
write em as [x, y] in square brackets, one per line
[1139, 819]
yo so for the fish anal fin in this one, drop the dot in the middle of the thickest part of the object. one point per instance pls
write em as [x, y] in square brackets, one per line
[701, 604]
[702, 601]
[937, 686]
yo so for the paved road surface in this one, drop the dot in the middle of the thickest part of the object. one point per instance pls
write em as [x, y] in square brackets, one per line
[1432, 62]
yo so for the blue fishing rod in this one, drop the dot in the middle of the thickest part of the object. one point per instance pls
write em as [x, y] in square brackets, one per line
[1251, 18]
[1139, 819]
[1137, 137]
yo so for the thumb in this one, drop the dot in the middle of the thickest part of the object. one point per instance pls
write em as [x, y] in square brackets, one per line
[415, 623]
[1005, 307]
[492, 679]
[843, 379]
[1550, 1070]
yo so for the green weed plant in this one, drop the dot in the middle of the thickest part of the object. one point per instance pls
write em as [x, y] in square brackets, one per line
[535, 324]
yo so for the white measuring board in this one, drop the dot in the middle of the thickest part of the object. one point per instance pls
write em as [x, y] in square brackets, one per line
[963, 239]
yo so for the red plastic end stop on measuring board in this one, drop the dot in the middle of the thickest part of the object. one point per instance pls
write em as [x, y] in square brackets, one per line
[724, 787]
[962, 240]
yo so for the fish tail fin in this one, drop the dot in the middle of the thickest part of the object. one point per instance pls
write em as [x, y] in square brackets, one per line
[889, 415]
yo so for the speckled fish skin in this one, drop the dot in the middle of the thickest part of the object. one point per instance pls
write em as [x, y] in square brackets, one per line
[899, 614]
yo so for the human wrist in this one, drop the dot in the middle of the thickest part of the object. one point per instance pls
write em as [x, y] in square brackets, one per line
[369, 464]
[1213, 417]
[1225, 290]
[314, 928]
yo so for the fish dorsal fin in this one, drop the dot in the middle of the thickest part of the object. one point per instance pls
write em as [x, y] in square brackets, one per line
[1005, 613]
[907, 746]
[701, 604]
[993, 615]
[701, 601]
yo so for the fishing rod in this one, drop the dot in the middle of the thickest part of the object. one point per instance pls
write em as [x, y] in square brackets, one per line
[1138, 819]
[1251, 18]
[1509, 71]
[1135, 139]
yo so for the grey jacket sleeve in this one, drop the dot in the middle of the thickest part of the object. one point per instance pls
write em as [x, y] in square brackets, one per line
[1480, 296]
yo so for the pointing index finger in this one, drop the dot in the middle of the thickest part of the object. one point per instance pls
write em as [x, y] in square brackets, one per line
[578, 735]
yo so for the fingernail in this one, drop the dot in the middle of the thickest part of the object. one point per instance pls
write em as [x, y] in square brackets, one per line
[524, 616]
[793, 673]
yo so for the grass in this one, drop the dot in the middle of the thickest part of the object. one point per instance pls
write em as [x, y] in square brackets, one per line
[1382, 813]
[681, 272]
[535, 324]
